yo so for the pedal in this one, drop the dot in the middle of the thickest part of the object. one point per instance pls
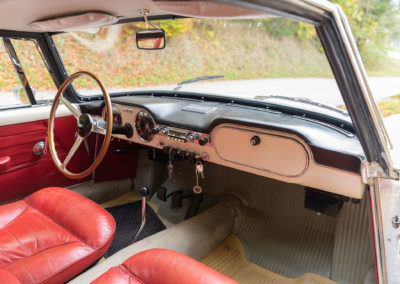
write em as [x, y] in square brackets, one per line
[162, 193]
[177, 197]
[194, 205]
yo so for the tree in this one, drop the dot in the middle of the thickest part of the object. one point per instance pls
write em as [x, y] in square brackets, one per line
[374, 24]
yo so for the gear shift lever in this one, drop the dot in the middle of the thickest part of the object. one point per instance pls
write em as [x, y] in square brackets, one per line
[143, 191]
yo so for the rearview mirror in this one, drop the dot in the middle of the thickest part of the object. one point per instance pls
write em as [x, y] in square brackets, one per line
[150, 39]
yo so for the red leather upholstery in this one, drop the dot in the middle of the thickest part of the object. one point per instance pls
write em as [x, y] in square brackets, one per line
[162, 266]
[7, 277]
[51, 236]
[19, 178]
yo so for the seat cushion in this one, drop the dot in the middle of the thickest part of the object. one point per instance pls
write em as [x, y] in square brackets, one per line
[52, 235]
[162, 266]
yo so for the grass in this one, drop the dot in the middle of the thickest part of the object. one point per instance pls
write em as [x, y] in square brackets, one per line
[390, 106]
[386, 107]
[385, 67]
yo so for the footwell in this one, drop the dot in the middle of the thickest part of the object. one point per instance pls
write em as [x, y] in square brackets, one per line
[127, 218]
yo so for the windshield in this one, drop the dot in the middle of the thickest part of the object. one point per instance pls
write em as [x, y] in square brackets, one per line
[252, 59]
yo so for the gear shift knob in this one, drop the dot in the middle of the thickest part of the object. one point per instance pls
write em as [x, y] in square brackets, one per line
[144, 191]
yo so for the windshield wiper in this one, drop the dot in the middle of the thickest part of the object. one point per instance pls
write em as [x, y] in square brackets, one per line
[306, 101]
[197, 79]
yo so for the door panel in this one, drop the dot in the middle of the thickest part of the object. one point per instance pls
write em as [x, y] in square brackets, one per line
[28, 172]
[385, 205]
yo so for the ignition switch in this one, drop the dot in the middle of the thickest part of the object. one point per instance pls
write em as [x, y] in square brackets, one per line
[255, 140]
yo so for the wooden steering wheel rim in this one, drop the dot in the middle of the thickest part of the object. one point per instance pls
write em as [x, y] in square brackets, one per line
[108, 130]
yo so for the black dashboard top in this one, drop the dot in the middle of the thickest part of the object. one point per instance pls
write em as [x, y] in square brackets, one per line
[331, 145]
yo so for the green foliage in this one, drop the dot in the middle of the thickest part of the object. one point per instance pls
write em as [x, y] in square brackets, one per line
[374, 24]
[175, 28]
[390, 106]
[279, 27]
[306, 31]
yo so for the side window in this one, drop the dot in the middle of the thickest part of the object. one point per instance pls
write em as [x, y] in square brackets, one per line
[10, 93]
[27, 59]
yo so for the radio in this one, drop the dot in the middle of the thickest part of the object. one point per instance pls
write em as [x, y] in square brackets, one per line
[177, 134]
[181, 135]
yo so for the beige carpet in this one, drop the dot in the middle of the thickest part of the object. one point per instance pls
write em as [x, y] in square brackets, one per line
[229, 259]
[120, 200]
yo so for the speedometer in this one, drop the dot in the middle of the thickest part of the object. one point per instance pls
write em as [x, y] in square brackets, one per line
[117, 118]
[145, 126]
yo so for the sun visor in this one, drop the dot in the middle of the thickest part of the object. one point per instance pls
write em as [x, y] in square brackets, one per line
[77, 22]
[207, 9]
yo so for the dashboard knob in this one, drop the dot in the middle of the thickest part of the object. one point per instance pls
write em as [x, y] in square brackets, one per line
[255, 140]
[191, 137]
[203, 141]
[155, 130]
[164, 131]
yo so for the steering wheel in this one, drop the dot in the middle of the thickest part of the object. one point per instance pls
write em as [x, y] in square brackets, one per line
[86, 125]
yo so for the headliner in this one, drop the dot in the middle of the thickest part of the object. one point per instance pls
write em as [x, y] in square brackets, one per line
[17, 15]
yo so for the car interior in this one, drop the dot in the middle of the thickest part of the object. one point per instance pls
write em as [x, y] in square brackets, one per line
[170, 186]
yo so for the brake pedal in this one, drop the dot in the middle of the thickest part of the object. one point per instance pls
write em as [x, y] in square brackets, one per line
[177, 197]
[162, 193]
[194, 205]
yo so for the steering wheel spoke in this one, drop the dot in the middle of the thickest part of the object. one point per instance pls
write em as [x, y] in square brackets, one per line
[72, 152]
[76, 112]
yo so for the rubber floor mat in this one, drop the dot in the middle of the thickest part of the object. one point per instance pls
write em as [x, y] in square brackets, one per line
[229, 259]
[127, 218]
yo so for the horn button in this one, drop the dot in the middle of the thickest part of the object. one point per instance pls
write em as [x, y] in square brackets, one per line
[85, 125]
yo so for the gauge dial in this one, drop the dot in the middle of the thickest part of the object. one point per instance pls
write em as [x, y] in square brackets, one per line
[145, 126]
[117, 118]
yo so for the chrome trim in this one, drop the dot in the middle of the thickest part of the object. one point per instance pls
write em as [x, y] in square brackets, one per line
[373, 107]
[376, 215]
[39, 148]
[72, 152]
[76, 112]
[140, 110]
[215, 131]
[385, 199]
[19, 70]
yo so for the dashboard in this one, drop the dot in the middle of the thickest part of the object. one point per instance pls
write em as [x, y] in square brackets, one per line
[263, 142]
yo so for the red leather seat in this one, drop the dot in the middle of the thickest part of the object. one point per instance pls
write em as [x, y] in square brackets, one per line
[51, 236]
[162, 266]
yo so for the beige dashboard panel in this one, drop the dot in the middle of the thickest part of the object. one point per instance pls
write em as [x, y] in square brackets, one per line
[271, 154]
[291, 161]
